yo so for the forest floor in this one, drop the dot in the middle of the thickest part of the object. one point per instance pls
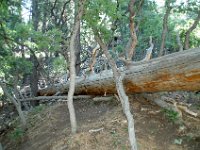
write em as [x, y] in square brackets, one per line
[49, 128]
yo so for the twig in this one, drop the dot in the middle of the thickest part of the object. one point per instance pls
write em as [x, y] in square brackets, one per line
[96, 130]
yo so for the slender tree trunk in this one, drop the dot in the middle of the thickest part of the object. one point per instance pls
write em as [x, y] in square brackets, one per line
[44, 19]
[165, 28]
[77, 52]
[187, 35]
[178, 39]
[118, 76]
[72, 67]
[130, 47]
[16, 103]
[78, 42]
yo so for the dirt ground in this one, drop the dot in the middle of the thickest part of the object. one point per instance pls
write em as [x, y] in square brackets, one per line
[102, 126]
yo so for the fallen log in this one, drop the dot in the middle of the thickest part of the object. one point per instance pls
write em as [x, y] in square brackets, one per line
[173, 72]
[49, 98]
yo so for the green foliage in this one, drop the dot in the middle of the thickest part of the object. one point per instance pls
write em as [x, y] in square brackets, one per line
[17, 134]
[38, 109]
[171, 115]
[59, 65]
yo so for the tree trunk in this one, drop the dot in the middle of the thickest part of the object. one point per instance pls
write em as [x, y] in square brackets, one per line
[77, 48]
[178, 39]
[187, 35]
[72, 46]
[173, 72]
[16, 103]
[165, 28]
[130, 47]
[34, 76]
[118, 78]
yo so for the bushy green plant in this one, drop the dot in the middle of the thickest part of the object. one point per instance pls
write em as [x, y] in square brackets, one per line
[38, 109]
[17, 134]
[171, 115]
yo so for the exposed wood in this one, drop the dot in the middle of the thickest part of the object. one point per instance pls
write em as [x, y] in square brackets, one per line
[180, 106]
[170, 104]
[95, 52]
[103, 99]
[96, 130]
[149, 50]
[130, 48]
[173, 72]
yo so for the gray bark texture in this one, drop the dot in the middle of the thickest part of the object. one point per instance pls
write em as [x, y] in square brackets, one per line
[118, 78]
[173, 72]
[16, 103]
[73, 68]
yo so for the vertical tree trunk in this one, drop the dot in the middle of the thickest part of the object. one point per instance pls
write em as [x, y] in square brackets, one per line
[78, 42]
[178, 39]
[118, 76]
[76, 28]
[34, 76]
[44, 19]
[130, 48]
[165, 27]
[187, 35]
[77, 52]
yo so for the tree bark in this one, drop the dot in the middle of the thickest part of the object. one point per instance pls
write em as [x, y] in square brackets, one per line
[130, 47]
[72, 46]
[173, 72]
[178, 39]
[187, 35]
[34, 76]
[17, 104]
[118, 77]
[165, 27]
[77, 46]
[77, 49]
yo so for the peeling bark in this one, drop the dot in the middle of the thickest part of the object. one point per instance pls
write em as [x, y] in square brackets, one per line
[130, 48]
[149, 50]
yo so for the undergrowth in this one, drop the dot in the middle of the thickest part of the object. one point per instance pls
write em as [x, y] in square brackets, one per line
[171, 115]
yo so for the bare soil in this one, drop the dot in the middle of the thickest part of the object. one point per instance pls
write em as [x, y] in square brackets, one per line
[50, 129]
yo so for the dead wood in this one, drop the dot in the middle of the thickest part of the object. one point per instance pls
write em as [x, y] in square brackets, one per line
[103, 99]
[173, 72]
[48, 98]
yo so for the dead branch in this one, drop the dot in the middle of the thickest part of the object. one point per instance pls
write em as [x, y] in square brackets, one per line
[149, 50]
[96, 130]
[55, 98]
[95, 52]
[103, 99]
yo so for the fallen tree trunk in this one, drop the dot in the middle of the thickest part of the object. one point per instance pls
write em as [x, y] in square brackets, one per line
[173, 72]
